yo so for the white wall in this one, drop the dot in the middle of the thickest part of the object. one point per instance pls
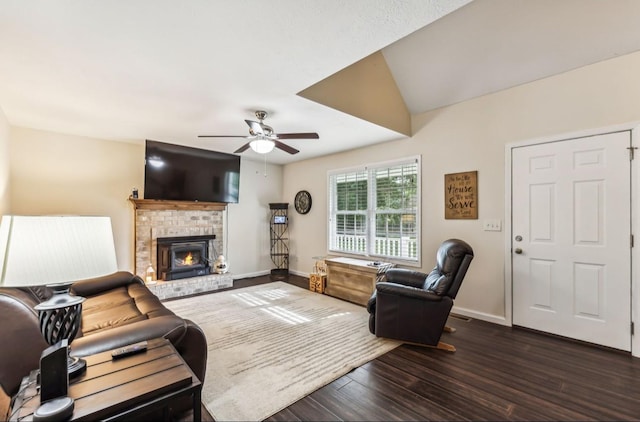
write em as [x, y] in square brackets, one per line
[54, 173]
[4, 164]
[248, 252]
[472, 136]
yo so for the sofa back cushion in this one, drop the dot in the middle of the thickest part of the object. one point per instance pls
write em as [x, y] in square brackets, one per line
[109, 309]
[120, 306]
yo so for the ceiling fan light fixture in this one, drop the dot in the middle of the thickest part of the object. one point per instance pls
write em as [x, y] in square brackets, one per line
[263, 139]
[262, 145]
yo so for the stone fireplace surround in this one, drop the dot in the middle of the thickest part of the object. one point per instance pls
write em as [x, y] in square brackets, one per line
[154, 219]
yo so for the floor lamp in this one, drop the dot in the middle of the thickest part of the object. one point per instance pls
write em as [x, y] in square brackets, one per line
[56, 251]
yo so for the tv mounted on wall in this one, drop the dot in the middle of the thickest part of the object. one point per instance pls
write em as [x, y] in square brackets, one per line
[181, 173]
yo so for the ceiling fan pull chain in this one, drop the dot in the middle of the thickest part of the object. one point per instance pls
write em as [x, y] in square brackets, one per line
[265, 165]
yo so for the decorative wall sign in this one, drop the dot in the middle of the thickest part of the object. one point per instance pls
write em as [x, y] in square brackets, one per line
[461, 195]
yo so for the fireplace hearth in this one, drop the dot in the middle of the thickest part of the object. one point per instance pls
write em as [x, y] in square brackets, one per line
[183, 257]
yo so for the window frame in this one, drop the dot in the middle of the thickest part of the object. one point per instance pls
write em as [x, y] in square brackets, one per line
[371, 212]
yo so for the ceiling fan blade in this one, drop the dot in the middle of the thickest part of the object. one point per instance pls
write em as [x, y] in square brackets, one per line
[255, 128]
[286, 147]
[242, 148]
[311, 135]
[221, 136]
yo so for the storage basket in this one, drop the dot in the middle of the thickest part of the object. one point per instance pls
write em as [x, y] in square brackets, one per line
[317, 282]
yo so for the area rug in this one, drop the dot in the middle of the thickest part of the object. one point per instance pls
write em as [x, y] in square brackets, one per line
[272, 344]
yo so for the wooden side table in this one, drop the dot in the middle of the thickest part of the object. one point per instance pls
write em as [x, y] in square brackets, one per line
[122, 389]
[353, 279]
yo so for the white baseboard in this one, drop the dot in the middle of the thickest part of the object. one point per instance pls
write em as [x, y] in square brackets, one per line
[266, 272]
[495, 319]
[250, 275]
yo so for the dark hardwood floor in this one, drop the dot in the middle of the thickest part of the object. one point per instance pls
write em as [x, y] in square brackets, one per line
[497, 373]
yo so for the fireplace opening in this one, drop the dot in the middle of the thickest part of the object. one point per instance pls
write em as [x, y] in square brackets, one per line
[183, 257]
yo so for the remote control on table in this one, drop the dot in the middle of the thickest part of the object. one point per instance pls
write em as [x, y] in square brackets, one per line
[131, 349]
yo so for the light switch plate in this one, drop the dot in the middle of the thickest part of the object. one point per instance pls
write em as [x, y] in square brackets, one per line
[493, 225]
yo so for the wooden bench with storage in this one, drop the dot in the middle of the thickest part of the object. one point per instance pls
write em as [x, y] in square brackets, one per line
[354, 279]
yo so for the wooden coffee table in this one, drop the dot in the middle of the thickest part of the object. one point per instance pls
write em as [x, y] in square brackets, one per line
[122, 389]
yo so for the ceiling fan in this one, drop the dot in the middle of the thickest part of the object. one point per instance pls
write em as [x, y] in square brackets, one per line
[262, 138]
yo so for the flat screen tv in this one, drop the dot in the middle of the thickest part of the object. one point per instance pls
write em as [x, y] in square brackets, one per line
[181, 173]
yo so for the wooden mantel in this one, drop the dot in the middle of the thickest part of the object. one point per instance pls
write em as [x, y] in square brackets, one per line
[158, 204]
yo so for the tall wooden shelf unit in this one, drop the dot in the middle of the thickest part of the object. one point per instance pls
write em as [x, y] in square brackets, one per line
[279, 225]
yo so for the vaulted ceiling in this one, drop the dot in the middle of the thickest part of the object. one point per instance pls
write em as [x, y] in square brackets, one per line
[352, 71]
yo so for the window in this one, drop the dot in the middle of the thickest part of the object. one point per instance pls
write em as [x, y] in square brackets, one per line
[374, 211]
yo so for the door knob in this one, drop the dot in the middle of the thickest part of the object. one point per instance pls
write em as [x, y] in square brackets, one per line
[518, 251]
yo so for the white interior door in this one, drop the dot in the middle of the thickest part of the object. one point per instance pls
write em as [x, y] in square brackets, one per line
[571, 245]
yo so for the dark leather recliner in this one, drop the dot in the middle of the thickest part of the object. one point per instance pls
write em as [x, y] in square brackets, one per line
[412, 306]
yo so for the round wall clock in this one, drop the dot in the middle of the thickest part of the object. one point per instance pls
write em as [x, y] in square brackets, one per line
[303, 202]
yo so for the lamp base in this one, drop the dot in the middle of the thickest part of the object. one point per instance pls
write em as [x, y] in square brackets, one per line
[60, 318]
[75, 366]
[58, 409]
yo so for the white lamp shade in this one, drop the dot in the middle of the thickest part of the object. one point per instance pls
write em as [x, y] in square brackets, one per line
[262, 146]
[44, 250]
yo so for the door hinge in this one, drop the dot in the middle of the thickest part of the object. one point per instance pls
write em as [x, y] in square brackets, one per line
[631, 240]
[632, 328]
[632, 152]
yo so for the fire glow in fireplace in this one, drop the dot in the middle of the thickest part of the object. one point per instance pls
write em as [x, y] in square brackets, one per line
[183, 257]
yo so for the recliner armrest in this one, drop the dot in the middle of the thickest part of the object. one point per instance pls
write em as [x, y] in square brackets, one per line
[105, 283]
[385, 287]
[371, 303]
[405, 277]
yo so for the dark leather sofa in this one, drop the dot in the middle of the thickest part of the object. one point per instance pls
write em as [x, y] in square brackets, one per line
[119, 310]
